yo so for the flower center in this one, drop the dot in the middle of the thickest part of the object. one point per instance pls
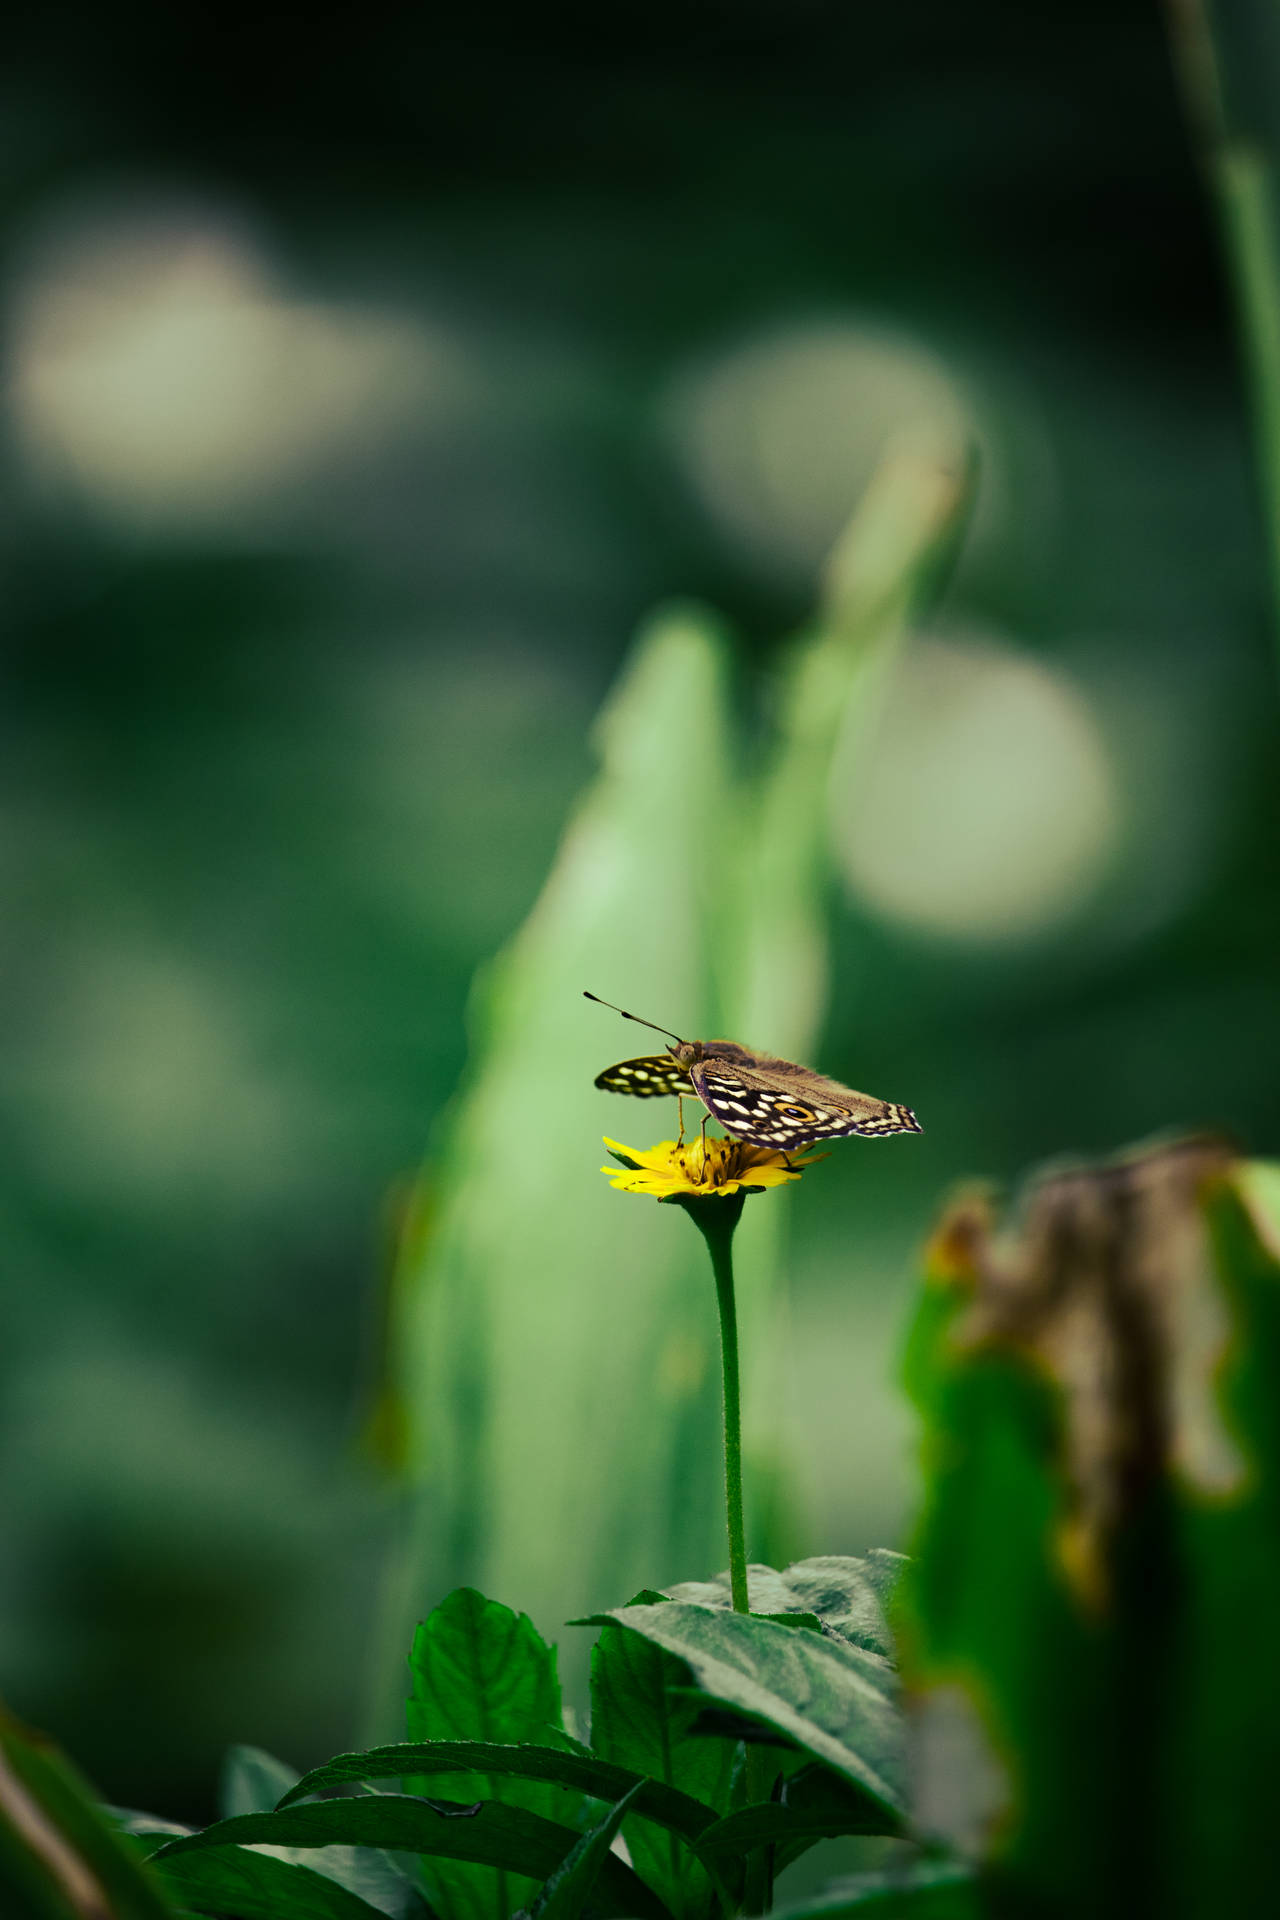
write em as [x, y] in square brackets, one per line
[711, 1165]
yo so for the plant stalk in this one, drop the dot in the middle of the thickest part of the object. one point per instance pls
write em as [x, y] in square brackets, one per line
[717, 1219]
[1239, 151]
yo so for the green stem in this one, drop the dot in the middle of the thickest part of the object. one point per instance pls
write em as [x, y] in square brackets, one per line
[717, 1219]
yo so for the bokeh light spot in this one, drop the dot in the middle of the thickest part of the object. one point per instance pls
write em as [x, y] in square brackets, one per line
[161, 372]
[781, 435]
[985, 808]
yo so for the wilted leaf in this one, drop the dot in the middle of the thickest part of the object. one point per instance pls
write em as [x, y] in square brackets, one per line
[1092, 1669]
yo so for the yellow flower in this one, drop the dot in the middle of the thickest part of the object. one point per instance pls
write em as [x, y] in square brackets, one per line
[671, 1171]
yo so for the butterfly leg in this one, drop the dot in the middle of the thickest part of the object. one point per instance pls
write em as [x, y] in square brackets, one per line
[703, 1136]
[680, 1115]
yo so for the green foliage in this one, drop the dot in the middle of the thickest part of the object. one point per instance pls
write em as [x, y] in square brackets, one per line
[484, 1833]
[680, 1791]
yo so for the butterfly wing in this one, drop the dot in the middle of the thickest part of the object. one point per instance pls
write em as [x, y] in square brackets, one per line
[782, 1112]
[646, 1078]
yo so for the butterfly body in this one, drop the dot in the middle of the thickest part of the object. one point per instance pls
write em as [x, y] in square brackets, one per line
[758, 1097]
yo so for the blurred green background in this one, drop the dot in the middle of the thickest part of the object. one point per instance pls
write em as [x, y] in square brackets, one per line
[369, 378]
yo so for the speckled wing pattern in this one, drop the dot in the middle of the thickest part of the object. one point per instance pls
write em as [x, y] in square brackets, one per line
[788, 1107]
[646, 1078]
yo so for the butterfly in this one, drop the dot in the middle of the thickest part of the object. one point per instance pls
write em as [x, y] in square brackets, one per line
[755, 1096]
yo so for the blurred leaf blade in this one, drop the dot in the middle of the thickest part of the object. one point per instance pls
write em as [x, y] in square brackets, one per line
[253, 1781]
[60, 1857]
[501, 1320]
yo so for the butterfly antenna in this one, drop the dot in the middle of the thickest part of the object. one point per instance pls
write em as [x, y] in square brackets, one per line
[632, 1016]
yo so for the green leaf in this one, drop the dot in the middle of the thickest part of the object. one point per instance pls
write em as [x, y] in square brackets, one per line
[843, 1595]
[917, 1890]
[567, 1891]
[578, 1772]
[60, 1856]
[835, 1700]
[485, 1834]
[258, 1886]
[640, 1721]
[482, 1673]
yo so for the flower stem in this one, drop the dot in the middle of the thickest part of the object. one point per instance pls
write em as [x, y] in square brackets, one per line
[717, 1219]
